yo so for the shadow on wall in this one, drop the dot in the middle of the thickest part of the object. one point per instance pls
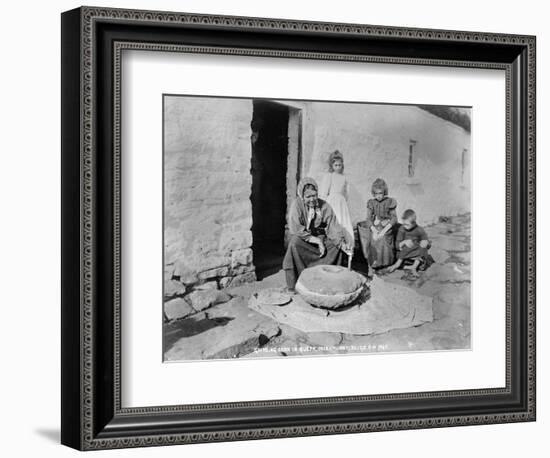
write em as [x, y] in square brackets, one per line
[356, 200]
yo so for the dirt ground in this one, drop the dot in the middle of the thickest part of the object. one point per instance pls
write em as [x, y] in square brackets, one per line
[232, 330]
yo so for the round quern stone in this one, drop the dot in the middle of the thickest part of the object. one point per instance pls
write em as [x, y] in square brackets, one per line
[329, 287]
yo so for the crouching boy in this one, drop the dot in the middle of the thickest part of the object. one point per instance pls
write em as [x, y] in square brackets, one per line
[412, 244]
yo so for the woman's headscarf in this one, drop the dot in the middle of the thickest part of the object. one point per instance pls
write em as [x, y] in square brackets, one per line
[305, 182]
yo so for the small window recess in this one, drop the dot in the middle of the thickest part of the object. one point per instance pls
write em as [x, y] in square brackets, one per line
[411, 180]
[463, 167]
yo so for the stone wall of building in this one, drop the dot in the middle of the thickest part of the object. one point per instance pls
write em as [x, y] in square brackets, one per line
[207, 181]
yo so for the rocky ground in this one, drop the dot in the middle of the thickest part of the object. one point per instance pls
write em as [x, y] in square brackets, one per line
[220, 324]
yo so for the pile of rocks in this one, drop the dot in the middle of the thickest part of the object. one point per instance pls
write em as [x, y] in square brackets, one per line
[178, 304]
[188, 291]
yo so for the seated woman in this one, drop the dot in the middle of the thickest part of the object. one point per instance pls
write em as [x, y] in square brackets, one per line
[316, 236]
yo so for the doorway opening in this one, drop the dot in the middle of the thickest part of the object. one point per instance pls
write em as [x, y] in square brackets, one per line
[275, 151]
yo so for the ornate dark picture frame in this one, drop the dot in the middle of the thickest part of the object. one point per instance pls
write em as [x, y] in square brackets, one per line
[92, 42]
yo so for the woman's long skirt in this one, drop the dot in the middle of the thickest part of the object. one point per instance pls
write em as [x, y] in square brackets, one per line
[301, 254]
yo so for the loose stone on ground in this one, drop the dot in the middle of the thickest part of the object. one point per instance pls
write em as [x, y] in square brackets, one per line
[173, 288]
[177, 308]
[201, 300]
[232, 330]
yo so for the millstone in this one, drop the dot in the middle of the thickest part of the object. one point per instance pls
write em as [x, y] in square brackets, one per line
[329, 287]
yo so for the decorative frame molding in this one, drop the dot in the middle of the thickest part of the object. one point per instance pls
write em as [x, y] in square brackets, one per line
[92, 414]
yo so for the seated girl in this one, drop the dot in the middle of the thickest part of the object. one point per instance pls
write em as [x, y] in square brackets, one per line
[376, 233]
[412, 244]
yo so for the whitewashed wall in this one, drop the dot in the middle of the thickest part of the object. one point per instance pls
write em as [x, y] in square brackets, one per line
[374, 140]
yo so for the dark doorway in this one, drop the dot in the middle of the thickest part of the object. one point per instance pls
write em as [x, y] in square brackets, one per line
[269, 184]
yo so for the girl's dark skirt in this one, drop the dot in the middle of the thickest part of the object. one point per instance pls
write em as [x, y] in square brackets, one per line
[301, 254]
[378, 253]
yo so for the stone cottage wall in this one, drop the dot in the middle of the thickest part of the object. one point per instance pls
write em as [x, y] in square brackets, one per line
[374, 140]
[207, 182]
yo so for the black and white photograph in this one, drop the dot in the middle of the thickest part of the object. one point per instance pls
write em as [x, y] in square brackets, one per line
[300, 228]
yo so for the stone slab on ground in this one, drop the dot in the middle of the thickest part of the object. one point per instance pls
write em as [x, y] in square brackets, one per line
[201, 300]
[292, 341]
[308, 338]
[461, 219]
[464, 257]
[465, 233]
[173, 288]
[235, 330]
[452, 300]
[450, 272]
[177, 308]
[449, 244]
[247, 289]
[439, 255]
[390, 306]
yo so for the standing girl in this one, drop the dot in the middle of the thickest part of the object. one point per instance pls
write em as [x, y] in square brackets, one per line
[334, 190]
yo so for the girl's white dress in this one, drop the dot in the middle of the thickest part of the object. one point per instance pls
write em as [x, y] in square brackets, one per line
[334, 189]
